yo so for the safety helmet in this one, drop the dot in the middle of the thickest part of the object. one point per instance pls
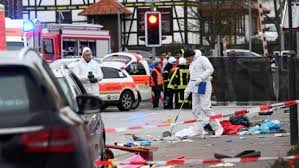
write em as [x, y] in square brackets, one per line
[171, 60]
[182, 61]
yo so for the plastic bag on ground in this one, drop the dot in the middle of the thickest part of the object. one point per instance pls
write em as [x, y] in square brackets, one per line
[192, 131]
[185, 132]
[268, 126]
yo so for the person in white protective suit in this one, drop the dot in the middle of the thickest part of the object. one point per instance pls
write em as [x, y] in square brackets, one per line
[201, 70]
[89, 72]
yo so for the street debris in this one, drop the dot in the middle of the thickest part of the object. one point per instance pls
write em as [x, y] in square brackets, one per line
[242, 138]
[229, 128]
[268, 126]
[136, 138]
[240, 120]
[169, 139]
[189, 132]
[222, 165]
[187, 140]
[246, 153]
[229, 140]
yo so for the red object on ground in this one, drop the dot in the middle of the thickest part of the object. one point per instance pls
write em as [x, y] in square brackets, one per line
[145, 152]
[229, 128]
[135, 159]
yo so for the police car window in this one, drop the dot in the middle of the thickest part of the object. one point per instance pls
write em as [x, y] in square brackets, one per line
[136, 68]
[66, 90]
[109, 73]
[78, 82]
[118, 58]
[19, 92]
[75, 87]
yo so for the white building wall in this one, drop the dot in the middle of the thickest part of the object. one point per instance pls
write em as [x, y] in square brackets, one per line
[177, 37]
[76, 2]
[50, 2]
[133, 39]
[76, 17]
[168, 40]
[46, 16]
[193, 38]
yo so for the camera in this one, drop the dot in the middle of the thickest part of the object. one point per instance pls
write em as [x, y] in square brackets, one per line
[90, 75]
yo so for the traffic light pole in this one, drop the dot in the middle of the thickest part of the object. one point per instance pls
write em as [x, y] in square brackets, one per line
[292, 82]
[154, 52]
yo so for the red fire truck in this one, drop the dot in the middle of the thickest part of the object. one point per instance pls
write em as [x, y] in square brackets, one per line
[68, 40]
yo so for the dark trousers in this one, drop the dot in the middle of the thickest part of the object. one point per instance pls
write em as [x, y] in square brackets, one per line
[156, 98]
[168, 102]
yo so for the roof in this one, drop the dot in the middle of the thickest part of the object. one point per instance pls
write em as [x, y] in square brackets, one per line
[65, 61]
[116, 65]
[136, 56]
[106, 7]
[16, 57]
[10, 57]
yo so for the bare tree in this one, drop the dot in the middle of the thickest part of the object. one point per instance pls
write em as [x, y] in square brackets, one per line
[276, 20]
[219, 21]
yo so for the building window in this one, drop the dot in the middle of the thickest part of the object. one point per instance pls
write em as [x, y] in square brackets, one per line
[64, 17]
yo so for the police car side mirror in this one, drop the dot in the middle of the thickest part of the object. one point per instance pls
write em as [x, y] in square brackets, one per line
[89, 104]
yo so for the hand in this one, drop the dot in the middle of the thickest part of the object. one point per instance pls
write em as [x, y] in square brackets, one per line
[198, 81]
[186, 94]
[93, 80]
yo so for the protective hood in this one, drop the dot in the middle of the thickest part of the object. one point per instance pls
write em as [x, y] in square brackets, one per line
[85, 49]
[197, 54]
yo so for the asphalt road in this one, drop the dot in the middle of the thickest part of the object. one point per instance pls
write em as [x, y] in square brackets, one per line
[269, 145]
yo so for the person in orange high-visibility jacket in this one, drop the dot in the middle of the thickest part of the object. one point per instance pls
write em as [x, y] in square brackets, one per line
[156, 84]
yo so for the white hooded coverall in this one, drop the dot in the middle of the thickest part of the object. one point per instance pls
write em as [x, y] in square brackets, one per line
[82, 68]
[201, 69]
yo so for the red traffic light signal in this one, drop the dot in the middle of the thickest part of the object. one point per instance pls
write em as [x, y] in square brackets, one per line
[153, 31]
[152, 19]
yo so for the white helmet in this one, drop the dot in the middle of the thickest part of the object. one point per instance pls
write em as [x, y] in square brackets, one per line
[171, 60]
[182, 61]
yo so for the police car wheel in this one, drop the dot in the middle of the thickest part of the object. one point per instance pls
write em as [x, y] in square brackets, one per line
[125, 101]
[136, 103]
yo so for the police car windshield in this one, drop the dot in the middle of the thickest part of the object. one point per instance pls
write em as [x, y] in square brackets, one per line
[118, 58]
[12, 45]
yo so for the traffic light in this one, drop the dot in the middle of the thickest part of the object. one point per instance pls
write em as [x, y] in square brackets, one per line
[153, 32]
